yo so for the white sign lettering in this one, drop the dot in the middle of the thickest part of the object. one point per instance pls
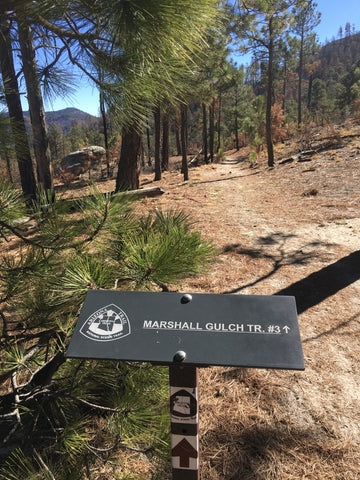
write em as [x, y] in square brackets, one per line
[254, 329]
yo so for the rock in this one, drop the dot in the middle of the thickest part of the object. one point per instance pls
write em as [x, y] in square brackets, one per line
[82, 160]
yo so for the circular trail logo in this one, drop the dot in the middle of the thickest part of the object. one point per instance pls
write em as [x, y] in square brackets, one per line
[106, 324]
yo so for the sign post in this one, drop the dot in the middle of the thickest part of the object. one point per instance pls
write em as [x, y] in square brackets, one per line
[184, 415]
[184, 332]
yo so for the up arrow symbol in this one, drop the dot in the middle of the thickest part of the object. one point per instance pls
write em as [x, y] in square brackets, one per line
[286, 328]
[185, 451]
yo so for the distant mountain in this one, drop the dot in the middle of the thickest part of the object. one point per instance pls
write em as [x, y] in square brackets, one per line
[66, 117]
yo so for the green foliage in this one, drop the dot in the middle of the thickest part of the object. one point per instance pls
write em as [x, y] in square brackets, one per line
[220, 155]
[57, 417]
[159, 250]
[351, 87]
[11, 205]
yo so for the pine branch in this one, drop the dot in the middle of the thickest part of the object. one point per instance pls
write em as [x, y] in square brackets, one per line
[100, 407]
[73, 34]
[43, 464]
[74, 245]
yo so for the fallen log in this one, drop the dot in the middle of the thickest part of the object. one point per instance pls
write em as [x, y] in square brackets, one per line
[195, 158]
[143, 192]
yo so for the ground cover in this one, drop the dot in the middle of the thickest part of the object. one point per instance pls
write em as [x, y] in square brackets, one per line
[294, 229]
[290, 230]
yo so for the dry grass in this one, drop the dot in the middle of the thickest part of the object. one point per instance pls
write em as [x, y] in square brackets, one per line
[274, 236]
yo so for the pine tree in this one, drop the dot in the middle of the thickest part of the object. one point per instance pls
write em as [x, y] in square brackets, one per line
[57, 417]
[260, 23]
[306, 19]
[12, 96]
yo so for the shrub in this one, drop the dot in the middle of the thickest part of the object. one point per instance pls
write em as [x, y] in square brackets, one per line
[57, 417]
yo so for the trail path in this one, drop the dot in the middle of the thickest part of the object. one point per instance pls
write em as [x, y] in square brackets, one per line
[293, 230]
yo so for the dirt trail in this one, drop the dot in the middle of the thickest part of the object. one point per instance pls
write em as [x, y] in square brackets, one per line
[293, 230]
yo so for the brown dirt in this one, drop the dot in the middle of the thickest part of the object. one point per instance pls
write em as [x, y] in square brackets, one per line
[293, 229]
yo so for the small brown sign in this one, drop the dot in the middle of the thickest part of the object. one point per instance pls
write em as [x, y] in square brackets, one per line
[185, 452]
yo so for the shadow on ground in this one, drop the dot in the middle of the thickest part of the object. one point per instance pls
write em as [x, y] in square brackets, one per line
[251, 452]
[280, 258]
[312, 289]
[320, 285]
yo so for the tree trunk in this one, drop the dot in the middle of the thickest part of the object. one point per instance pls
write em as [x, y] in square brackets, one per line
[36, 106]
[177, 134]
[165, 142]
[310, 91]
[205, 141]
[301, 56]
[236, 119]
[142, 154]
[148, 143]
[17, 123]
[129, 165]
[269, 141]
[5, 152]
[211, 129]
[184, 166]
[219, 125]
[106, 136]
[157, 118]
[284, 84]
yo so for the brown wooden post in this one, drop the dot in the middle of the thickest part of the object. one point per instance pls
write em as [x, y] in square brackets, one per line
[184, 422]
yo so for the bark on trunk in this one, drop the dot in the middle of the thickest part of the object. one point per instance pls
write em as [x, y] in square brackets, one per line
[269, 141]
[165, 143]
[36, 106]
[157, 119]
[309, 92]
[205, 140]
[301, 56]
[177, 134]
[236, 119]
[211, 129]
[284, 84]
[148, 144]
[17, 123]
[219, 125]
[129, 164]
[106, 135]
[184, 166]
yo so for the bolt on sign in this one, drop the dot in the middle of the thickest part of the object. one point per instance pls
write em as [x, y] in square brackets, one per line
[186, 331]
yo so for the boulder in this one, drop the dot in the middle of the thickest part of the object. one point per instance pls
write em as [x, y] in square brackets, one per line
[82, 160]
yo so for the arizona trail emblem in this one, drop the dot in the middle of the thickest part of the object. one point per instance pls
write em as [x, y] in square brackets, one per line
[106, 324]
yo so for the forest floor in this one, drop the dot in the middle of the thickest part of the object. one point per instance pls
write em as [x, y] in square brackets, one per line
[293, 230]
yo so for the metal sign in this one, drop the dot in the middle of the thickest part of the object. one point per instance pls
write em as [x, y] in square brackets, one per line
[198, 329]
[183, 331]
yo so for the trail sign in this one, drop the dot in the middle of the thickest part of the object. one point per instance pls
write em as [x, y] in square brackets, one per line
[184, 421]
[185, 450]
[185, 331]
[198, 329]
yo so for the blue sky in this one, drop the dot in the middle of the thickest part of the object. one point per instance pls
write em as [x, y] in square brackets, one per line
[334, 13]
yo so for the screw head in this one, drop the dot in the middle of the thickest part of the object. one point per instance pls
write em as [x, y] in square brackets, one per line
[186, 298]
[179, 356]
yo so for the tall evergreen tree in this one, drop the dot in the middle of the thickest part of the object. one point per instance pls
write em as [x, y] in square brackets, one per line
[306, 18]
[12, 96]
[260, 23]
[35, 100]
